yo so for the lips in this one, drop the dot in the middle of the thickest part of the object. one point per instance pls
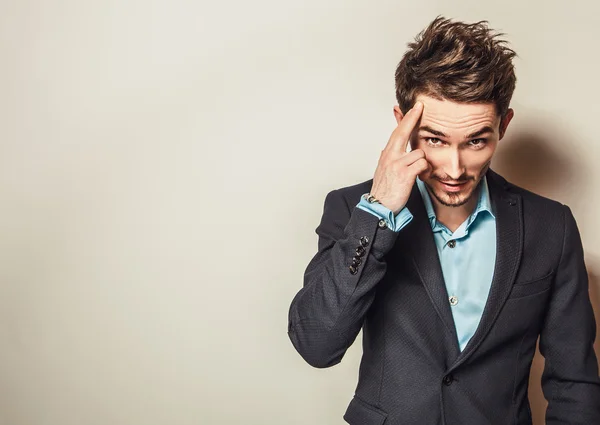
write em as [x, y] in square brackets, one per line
[453, 187]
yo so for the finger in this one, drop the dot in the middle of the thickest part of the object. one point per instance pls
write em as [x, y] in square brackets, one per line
[423, 174]
[419, 166]
[392, 140]
[395, 141]
[412, 157]
[407, 125]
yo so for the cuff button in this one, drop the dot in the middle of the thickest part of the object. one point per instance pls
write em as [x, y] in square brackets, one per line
[364, 241]
[353, 270]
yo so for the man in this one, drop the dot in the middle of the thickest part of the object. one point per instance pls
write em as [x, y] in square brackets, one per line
[451, 271]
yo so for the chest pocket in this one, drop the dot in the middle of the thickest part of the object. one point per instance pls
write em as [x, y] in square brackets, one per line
[532, 287]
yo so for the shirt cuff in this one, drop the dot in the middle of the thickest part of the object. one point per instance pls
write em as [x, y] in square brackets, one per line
[396, 223]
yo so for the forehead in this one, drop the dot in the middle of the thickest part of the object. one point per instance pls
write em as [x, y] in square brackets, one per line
[457, 118]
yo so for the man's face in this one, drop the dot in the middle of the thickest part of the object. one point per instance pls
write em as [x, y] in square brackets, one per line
[459, 140]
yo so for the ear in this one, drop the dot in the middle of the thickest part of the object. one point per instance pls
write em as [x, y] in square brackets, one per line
[504, 123]
[398, 114]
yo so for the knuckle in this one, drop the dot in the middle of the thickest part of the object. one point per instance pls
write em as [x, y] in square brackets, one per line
[399, 168]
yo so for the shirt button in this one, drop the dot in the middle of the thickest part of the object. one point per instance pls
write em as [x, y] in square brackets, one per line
[382, 224]
[452, 243]
[453, 300]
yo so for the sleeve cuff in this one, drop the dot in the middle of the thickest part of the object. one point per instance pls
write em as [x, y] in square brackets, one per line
[396, 223]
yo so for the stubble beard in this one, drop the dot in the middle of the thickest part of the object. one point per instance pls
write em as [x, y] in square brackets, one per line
[450, 199]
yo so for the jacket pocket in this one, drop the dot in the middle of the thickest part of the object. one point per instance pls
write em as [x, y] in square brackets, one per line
[362, 413]
[531, 287]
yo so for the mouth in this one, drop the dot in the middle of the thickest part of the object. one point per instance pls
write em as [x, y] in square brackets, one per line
[453, 187]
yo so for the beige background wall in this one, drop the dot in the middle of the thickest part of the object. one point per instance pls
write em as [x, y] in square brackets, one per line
[163, 166]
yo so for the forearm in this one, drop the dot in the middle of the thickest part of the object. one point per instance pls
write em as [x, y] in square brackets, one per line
[327, 313]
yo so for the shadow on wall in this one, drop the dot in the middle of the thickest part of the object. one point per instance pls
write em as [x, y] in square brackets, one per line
[529, 160]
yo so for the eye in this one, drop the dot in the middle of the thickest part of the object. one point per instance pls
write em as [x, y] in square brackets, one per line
[433, 141]
[478, 143]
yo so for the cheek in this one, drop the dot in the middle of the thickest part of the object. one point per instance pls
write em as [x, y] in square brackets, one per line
[435, 157]
[476, 160]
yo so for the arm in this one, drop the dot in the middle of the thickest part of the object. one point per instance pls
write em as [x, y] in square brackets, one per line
[339, 282]
[326, 315]
[570, 379]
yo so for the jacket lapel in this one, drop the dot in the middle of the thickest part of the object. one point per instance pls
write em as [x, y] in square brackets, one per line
[420, 243]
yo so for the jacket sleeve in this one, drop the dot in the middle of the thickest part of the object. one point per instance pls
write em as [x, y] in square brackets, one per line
[570, 379]
[326, 315]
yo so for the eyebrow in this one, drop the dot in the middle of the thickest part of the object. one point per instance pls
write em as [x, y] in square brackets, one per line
[484, 130]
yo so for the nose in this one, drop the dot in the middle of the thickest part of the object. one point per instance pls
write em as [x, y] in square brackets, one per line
[455, 168]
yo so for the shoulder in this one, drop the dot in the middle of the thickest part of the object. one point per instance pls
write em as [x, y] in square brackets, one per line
[539, 212]
[529, 198]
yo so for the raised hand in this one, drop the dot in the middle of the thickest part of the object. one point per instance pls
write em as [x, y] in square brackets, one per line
[397, 169]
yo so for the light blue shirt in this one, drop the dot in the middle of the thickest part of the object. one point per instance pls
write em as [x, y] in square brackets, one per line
[467, 267]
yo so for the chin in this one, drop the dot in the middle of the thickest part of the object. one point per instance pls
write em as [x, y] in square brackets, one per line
[452, 199]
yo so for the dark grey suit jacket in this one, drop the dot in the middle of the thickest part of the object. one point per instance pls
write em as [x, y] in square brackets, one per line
[412, 370]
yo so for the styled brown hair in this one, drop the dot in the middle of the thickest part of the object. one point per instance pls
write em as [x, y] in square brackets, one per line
[459, 62]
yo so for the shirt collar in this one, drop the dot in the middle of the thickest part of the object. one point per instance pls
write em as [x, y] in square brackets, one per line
[483, 203]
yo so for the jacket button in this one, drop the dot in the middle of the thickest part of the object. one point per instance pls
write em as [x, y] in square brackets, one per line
[364, 241]
[360, 251]
[353, 270]
[448, 379]
[382, 224]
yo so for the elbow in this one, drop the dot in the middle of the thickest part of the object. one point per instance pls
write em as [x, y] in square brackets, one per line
[319, 347]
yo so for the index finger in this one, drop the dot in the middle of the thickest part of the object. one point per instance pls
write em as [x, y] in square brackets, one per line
[401, 135]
